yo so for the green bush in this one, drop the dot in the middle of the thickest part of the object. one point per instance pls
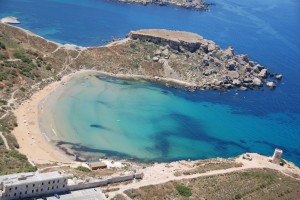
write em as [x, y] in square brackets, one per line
[48, 67]
[22, 57]
[30, 168]
[2, 46]
[3, 56]
[133, 46]
[183, 190]
[22, 89]
[282, 162]
[83, 169]
[16, 154]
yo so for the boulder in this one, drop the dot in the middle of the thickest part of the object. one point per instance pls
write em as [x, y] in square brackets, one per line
[218, 83]
[244, 58]
[211, 47]
[251, 63]
[271, 84]
[236, 82]
[165, 52]
[227, 86]
[263, 73]
[155, 59]
[257, 82]
[228, 53]
[259, 67]
[233, 74]
[157, 52]
[204, 46]
[243, 88]
[278, 76]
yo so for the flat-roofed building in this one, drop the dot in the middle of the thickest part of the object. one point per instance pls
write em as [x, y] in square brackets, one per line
[97, 165]
[25, 185]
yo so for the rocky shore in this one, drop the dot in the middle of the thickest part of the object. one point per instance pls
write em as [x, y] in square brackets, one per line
[10, 20]
[190, 4]
[174, 58]
[217, 68]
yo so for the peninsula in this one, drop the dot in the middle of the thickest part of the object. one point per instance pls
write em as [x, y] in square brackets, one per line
[10, 20]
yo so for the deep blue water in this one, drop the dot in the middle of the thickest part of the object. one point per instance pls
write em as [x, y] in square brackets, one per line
[268, 31]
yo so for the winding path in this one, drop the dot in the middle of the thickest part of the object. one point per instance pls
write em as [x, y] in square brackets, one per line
[5, 141]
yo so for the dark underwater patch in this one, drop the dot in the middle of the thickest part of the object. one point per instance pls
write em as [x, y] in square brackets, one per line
[98, 126]
[191, 129]
[80, 151]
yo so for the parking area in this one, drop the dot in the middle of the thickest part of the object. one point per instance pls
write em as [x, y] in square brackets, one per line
[88, 194]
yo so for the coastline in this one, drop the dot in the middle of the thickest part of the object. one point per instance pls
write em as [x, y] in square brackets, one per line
[34, 143]
[43, 152]
[32, 104]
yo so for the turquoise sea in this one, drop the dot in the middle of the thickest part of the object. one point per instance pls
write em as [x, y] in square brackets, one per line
[105, 116]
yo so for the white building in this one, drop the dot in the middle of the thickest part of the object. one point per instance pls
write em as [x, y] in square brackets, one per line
[277, 156]
[25, 185]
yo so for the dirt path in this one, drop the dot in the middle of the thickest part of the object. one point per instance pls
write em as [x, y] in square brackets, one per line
[5, 141]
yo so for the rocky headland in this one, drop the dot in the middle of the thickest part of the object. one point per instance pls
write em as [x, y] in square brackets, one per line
[205, 64]
[190, 4]
[175, 58]
[10, 20]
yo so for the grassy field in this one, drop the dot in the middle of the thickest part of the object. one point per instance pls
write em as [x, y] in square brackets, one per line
[249, 184]
[203, 166]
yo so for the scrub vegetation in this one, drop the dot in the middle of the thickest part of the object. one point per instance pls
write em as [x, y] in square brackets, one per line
[248, 184]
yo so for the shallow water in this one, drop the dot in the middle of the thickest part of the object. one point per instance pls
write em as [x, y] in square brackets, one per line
[174, 123]
[100, 116]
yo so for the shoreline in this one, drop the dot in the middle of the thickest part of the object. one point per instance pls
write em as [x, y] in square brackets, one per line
[33, 143]
[37, 145]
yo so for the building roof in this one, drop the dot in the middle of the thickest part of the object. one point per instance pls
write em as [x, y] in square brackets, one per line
[23, 178]
[97, 164]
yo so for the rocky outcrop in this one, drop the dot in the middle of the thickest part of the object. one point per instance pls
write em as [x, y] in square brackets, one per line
[271, 84]
[219, 69]
[10, 20]
[174, 58]
[190, 4]
[177, 40]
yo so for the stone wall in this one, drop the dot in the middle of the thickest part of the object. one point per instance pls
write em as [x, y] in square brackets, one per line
[104, 182]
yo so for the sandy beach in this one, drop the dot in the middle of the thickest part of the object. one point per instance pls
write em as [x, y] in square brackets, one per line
[32, 142]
